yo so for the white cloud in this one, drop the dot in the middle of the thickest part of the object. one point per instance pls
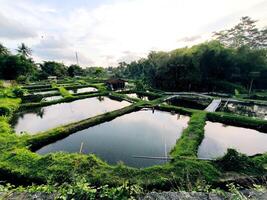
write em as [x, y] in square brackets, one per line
[13, 29]
[105, 33]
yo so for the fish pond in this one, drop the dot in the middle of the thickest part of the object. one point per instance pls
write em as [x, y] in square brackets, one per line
[200, 104]
[82, 90]
[44, 118]
[46, 92]
[141, 133]
[139, 96]
[219, 137]
[52, 98]
[258, 111]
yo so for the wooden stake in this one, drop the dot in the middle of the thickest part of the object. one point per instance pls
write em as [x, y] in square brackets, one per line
[81, 147]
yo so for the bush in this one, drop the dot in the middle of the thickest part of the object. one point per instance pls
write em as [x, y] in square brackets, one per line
[225, 86]
[1, 84]
[4, 111]
[234, 161]
[19, 92]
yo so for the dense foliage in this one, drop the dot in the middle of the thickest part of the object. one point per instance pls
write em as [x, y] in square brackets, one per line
[231, 61]
[235, 61]
[207, 66]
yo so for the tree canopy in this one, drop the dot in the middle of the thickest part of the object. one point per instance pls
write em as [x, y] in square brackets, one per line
[24, 50]
[245, 33]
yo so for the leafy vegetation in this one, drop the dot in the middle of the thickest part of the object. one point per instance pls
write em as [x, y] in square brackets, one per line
[233, 63]
[65, 93]
[191, 138]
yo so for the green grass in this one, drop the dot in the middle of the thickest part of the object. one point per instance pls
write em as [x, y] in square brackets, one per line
[68, 99]
[18, 164]
[64, 93]
[187, 145]
[238, 120]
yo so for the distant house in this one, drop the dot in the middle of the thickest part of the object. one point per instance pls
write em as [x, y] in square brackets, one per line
[52, 78]
[115, 84]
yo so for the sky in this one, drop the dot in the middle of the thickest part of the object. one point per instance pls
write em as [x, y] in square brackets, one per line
[106, 32]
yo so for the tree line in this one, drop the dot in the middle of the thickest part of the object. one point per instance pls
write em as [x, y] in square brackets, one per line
[231, 60]
[21, 67]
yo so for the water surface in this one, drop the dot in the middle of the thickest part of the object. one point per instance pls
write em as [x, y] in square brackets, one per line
[219, 137]
[55, 115]
[82, 90]
[141, 133]
[248, 110]
[139, 96]
[46, 92]
[52, 98]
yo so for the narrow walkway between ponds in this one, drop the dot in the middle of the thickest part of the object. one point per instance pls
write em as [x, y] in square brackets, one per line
[213, 105]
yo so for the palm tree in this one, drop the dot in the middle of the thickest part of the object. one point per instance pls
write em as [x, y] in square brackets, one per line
[3, 50]
[24, 50]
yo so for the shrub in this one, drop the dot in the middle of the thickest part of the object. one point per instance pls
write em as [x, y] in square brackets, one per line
[225, 86]
[234, 161]
[4, 111]
[19, 92]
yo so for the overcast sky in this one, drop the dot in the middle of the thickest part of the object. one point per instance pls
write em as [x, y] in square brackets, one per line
[105, 32]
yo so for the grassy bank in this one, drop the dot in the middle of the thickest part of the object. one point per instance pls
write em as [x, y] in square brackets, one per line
[44, 138]
[64, 93]
[69, 99]
[191, 138]
[238, 120]
[18, 164]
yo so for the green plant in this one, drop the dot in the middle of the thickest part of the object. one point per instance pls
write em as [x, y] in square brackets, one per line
[4, 111]
[234, 161]
[19, 92]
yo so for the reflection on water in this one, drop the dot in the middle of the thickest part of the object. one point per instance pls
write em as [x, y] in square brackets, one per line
[248, 110]
[46, 92]
[219, 137]
[64, 113]
[188, 103]
[82, 90]
[139, 96]
[52, 98]
[141, 133]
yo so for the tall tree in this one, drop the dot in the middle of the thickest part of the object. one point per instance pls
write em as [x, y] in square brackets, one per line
[24, 50]
[13, 66]
[51, 68]
[75, 70]
[3, 50]
[245, 33]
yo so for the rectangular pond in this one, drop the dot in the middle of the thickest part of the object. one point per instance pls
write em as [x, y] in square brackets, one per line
[46, 92]
[141, 133]
[219, 137]
[44, 118]
[82, 90]
[257, 111]
[52, 98]
[200, 104]
[139, 96]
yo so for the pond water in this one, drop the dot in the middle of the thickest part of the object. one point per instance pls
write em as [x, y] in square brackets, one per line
[138, 96]
[248, 110]
[46, 92]
[141, 133]
[52, 98]
[82, 90]
[189, 103]
[219, 137]
[55, 115]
